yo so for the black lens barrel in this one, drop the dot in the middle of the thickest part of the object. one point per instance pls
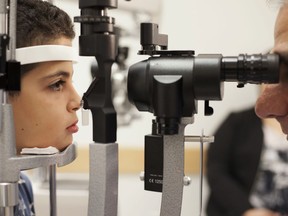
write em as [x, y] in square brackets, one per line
[254, 69]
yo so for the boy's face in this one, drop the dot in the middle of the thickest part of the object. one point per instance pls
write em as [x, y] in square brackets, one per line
[273, 102]
[45, 109]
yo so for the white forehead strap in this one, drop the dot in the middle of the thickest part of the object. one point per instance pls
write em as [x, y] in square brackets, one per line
[44, 53]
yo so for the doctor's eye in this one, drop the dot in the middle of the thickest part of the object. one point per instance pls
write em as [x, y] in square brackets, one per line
[57, 86]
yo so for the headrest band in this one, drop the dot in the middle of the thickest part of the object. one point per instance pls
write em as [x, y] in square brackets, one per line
[44, 53]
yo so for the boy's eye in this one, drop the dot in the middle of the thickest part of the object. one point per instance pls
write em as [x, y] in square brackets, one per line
[57, 86]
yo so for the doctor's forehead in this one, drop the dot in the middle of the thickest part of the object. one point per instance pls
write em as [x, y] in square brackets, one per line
[281, 22]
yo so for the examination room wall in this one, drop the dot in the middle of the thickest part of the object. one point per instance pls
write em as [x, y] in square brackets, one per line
[227, 27]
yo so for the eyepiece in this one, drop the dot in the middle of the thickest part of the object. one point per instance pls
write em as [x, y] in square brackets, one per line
[254, 69]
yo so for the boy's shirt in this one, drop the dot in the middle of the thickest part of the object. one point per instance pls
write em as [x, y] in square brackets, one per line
[26, 201]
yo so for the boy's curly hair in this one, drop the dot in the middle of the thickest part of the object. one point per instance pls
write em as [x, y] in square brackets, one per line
[40, 23]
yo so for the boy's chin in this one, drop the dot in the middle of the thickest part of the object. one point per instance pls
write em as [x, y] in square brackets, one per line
[63, 148]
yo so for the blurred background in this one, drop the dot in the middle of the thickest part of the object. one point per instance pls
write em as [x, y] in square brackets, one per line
[227, 27]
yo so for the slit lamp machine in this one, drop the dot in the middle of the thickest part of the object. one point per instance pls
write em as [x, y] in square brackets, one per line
[169, 83]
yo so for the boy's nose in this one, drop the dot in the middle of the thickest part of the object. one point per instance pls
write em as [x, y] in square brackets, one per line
[75, 102]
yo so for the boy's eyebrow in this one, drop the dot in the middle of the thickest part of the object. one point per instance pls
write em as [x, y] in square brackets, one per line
[57, 74]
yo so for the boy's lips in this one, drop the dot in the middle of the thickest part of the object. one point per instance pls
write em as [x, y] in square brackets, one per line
[73, 128]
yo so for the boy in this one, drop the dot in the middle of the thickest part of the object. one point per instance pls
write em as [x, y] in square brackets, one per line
[45, 108]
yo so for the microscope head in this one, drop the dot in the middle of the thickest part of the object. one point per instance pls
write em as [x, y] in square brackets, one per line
[169, 83]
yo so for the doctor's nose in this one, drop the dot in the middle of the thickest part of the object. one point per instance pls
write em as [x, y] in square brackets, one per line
[272, 102]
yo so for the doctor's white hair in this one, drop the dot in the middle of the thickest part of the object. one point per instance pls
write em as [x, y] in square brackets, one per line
[276, 3]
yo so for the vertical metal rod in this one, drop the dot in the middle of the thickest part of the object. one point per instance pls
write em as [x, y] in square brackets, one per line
[52, 188]
[12, 29]
[103, 179]
[173, 173]
[3, 30]
[9, 192]
[4, 97]
[3, 13]
[201, 176]
[2, 101]
[7, 211]
[8, 198]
